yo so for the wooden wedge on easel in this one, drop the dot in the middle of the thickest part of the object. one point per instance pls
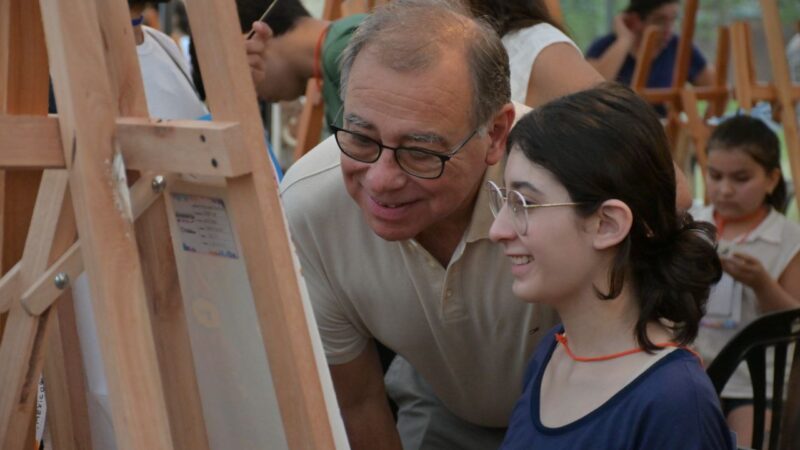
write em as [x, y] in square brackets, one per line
[88, 152]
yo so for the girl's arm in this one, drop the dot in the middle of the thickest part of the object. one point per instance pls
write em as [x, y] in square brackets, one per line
[772, 294]
[611, 61]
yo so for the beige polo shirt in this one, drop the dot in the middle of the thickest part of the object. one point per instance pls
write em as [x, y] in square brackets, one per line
[461, 327]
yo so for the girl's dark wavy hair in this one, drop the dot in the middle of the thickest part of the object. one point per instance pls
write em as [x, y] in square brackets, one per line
[643, 8]
[757, 140]
[511, 15]
[607, 143]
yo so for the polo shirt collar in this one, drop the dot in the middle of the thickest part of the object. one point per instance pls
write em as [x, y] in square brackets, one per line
[769, 230]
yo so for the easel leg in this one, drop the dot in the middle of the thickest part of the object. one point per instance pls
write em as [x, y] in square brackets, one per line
[67, 416]
[22, 346]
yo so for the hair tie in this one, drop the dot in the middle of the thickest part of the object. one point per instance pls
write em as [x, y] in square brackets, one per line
[137, 21]
[761, 111]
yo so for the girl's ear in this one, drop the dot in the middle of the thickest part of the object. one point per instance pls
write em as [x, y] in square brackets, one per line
[773, 177]
[613, 223]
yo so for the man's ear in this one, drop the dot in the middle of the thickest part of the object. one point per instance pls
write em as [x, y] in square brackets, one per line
[497, 130]
[613, 221]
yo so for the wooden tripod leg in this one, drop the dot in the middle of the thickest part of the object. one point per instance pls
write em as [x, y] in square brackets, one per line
[783, 85]
[716, 105]
[683, 58]
[697, 127]
[24, 92]
[105, 224]
[67, 411]
[644, 59]
[309, 128]
[165, 300]
[743, 81]
[51, 233]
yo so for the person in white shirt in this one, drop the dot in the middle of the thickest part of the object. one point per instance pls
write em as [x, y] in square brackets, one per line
[545, 63]
[759, 247]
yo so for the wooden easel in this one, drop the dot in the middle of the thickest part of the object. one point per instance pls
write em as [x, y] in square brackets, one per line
[669, 97]
[717, 96]
[682, 98]
[100, 131]
[781, 92]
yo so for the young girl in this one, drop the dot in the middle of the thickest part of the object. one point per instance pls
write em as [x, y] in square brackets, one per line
[588, 219]
[759, 247]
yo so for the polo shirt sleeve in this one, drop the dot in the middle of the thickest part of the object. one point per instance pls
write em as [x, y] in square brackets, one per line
[697, 64]
[341, 338]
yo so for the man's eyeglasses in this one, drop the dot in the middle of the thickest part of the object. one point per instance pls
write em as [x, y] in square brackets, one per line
[517, 205]
[419, 162]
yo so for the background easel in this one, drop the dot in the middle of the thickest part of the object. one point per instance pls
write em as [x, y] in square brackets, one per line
[716, 96]
[781, 92]
[668, 97]
[136, 305]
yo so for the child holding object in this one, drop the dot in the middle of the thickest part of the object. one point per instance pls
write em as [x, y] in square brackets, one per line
[759, 248]
[587, 216]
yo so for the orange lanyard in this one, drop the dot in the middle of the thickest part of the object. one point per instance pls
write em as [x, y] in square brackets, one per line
[317, 69]
[720, 222]
[562, 339]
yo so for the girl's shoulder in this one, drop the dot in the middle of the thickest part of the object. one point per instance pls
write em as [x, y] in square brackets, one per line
[679, 396]
[790, 229]
[537, 36]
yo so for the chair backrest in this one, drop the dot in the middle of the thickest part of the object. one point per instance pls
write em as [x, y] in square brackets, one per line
[777, 331]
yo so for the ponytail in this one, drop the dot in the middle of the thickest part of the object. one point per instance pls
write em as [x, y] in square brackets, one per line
[673, 279]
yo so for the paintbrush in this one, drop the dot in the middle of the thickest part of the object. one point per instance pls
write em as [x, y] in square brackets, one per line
[263, 16]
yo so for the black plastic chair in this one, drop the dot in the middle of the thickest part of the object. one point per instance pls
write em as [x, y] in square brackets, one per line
[777, 331]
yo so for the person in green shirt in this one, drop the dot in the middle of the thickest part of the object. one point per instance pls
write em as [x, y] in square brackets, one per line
[292, 47]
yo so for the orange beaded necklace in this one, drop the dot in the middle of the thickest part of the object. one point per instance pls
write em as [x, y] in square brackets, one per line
[562, 339]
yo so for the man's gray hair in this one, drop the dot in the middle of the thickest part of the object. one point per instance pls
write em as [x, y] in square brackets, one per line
[410, 35]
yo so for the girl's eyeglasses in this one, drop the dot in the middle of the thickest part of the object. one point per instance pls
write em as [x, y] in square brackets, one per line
[498, 197]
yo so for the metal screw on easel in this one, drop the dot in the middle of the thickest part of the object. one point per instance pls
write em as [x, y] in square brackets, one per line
[159, 184]
[61, 280]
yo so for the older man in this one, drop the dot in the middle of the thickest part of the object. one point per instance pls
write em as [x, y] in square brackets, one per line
[390, 220]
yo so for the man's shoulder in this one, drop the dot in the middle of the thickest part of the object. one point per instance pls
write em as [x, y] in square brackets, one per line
[315, 180]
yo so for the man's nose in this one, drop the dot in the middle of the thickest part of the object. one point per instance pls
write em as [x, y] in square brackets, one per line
[385, 174]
